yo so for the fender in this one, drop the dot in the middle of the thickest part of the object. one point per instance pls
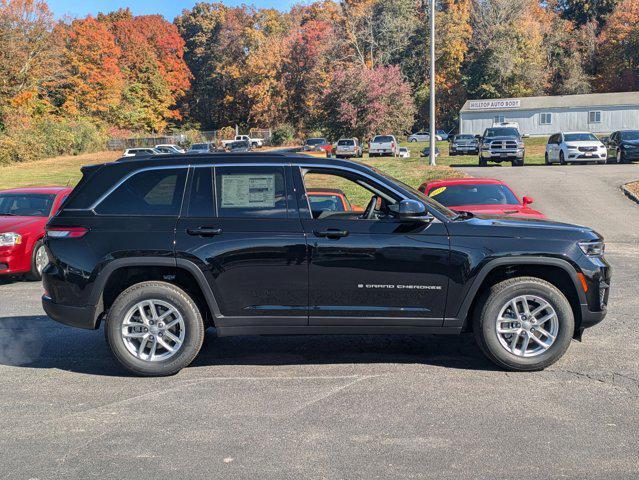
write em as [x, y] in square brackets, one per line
[105, 274]
[462, 313]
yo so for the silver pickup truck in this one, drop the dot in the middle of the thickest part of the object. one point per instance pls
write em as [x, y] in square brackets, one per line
[383, 145]
[502, 144]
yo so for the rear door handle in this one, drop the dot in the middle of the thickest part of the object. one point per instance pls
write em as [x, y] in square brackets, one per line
[204, 231]
[331, 233]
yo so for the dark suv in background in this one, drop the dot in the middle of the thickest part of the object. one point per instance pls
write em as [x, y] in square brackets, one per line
[158, 250]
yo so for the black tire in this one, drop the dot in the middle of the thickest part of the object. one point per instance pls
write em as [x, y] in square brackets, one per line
[488, 310]
[621, 158]
[547, 161]
[182, 302]
[519, 162]
[562, 159]
[35, 274]
[482, 162]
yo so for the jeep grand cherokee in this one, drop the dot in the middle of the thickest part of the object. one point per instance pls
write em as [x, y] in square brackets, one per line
[158, 250]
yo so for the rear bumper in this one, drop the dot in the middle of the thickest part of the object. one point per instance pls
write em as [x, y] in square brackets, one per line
[79, 317]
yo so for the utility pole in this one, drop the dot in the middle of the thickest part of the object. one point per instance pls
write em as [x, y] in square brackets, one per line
[432, 84]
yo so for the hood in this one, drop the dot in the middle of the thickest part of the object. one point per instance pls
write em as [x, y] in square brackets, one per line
[529, 227]
[585, 143]
[19, 224]
[503, 137]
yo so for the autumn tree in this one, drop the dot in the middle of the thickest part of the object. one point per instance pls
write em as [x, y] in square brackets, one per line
[363, 102]
[219, 40]
[583, 11]
[618, 49]
[29, 56]
[507, 57]
[94, 82]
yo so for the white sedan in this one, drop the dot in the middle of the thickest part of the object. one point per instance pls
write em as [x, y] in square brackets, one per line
[404, 152]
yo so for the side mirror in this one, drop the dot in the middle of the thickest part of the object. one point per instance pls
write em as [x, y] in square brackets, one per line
[525, 135]
[527, 200]
[413, 211]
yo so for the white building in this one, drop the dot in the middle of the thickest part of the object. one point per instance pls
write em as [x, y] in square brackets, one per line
[596, 113]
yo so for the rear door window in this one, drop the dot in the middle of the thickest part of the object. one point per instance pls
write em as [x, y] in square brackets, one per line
[154, 192]
[256, 192]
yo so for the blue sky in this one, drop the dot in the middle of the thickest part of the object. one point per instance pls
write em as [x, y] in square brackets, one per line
[170, 9]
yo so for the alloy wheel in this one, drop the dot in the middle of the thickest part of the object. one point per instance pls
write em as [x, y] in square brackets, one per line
[527, 325]
[41, 259]
[153, 330]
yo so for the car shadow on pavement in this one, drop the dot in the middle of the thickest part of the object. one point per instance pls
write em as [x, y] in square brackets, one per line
[39, 342]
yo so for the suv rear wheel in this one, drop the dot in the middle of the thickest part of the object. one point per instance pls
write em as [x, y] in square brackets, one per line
[524, 324]
[154, 329]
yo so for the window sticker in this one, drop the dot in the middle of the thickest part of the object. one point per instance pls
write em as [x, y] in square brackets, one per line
[248, 191]
[437, 191]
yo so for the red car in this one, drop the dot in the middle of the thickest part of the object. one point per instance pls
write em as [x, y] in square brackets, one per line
[331, 199]
[24, 212]
[480, 195]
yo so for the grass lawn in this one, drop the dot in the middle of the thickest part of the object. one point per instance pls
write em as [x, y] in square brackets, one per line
[50, 172]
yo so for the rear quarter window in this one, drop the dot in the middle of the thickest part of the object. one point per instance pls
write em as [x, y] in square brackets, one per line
[153, 192]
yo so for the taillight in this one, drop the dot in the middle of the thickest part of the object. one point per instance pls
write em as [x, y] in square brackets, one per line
[66, 232]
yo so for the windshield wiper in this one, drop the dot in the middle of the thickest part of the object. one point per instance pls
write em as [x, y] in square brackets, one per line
[8, 214]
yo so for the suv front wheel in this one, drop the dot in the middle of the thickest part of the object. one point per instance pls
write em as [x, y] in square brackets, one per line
[524, 324]
[154, 329]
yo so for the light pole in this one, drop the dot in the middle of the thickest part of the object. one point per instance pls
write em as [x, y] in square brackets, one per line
[431, 155]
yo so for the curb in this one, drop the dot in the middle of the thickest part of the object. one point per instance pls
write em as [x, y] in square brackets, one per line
[629, 194]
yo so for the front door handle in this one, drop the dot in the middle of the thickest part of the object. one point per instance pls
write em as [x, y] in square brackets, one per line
[204, 231]
[331, 233]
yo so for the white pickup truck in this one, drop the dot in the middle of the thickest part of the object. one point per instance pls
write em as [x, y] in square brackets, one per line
[254, 142]
[383, 145]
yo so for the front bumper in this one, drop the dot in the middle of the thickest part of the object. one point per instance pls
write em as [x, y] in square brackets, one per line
[503, 155]
[464, 149]
[631, 153]
[79, 317]
[13, 261]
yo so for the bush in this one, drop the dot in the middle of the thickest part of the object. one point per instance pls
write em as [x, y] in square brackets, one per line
[50, 137]
[283, 135]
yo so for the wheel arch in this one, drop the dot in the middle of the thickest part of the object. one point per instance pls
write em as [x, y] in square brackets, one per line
[556, 271]
[124, 272]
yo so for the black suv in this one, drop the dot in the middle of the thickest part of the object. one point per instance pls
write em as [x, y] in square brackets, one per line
[160, 249]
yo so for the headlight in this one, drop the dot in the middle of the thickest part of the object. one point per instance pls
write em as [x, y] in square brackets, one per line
[572, 147]
[592, 249]
[10, 239]
[627, 147]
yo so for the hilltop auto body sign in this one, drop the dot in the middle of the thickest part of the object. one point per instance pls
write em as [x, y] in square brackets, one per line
[493, 104]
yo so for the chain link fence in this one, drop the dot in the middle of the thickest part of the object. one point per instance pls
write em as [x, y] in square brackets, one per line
[186, 138]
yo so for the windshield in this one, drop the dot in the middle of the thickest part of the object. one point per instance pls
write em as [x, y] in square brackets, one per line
[630, 135]
[501, 132]
[26, 204]
[456, 195]
[464, 137]
[332, 203]
[383, 139]
[580, 137]
[316, 141]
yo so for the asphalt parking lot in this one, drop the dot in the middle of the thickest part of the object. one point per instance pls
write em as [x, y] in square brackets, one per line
[338, 407]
